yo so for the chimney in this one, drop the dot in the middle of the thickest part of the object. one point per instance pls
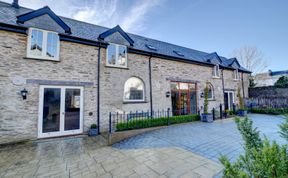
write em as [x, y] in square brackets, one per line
[15, 4]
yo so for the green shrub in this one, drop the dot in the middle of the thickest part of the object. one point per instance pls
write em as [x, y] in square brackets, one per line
[93, 126]
[261, 158]
[284, 129]
[274, 111]
[154, 122]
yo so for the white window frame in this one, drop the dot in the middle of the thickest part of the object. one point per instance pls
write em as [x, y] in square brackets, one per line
[61, 131]
[236, 74]
[117, 65]
[233, 98]
[128, 100]
[215, 73]
[212, 92]
[44, 46]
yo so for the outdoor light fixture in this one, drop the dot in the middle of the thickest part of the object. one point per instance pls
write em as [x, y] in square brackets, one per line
[202, 95]
[168, 94]
[24, 94]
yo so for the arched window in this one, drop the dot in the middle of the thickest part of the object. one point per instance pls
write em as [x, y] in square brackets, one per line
[210, 91]
[134, 89]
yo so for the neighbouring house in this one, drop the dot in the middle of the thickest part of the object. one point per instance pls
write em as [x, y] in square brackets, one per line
[268, 78]
[59, 75]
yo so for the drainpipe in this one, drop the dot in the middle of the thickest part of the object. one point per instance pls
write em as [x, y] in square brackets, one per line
[98, 89]
[242, 85]
[222, 76]
[150, 84]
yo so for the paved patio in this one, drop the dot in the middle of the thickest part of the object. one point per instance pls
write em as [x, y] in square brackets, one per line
[89, 157]
[206, 139]
[168, 152]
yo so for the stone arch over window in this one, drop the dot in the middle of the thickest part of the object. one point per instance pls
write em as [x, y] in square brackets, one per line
[134, 89]
[210, 91]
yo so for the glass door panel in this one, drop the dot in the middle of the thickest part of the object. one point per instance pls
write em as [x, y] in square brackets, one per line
[51, 110]
[193, 102]
[231, 101]
[184, 103]
[72, 109]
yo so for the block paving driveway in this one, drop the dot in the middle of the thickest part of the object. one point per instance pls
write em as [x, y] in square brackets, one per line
[186, 150]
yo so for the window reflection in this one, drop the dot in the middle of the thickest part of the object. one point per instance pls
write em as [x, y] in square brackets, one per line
[134, 89]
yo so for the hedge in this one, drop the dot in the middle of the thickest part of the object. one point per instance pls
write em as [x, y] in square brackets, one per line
[274, 111]
[154, 122]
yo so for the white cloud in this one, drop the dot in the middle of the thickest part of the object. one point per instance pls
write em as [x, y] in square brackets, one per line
[130, 16]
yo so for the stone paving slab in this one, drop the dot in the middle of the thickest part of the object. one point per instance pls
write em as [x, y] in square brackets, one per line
[89, 157]
[210, 140]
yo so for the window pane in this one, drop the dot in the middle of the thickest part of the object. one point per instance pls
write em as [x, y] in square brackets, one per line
[51, 110]
[52, 45]
[174, 86]
[210, 92]
[36, 43]
[72, 109]
[183, 86]
[122, 55]
[111, 51]
[134, 89]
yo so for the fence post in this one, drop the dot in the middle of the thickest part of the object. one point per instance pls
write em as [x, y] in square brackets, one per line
[168, 115]
[110, 122]
[221, 112]
[213, 112]
[234, 109]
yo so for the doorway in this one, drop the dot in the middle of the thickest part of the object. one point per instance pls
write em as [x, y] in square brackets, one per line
[228, 100]
[184, 98]
[60, 111]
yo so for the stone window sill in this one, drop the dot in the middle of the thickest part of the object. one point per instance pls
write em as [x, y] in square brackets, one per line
[42, 59]
[214, 77]
[134, 102]
[116, 67]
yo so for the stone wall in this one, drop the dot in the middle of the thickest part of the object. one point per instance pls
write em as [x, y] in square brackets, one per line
[78, 63]
[271, 91]
[18, 117]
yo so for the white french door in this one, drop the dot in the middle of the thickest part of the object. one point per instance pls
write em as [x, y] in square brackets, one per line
[228, 100]
[60, 111]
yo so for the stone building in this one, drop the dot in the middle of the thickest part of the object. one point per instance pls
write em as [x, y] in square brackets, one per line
[59, 75]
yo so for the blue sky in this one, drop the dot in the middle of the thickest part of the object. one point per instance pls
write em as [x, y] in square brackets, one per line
[206, 25]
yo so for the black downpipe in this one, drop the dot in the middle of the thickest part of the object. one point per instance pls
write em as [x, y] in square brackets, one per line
[222, 73]
[98, 89]
[150, 85]
[243, 85]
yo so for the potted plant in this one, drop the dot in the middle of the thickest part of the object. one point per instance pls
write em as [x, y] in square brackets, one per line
[206, 117]
[93, 131]
[241, 112]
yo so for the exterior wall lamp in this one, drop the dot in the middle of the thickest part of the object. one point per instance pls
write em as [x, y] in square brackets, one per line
[168, 94]
[202, 95]
[24, 93]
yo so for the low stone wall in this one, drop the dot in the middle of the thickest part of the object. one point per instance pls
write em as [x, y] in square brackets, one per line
[268, 92]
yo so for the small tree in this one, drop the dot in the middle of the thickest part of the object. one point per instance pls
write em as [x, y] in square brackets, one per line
[282, 82]
[284, 129]
[240, 98]
[206, 102]
[261, 158]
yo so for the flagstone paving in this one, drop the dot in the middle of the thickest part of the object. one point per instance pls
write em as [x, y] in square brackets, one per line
[89, 157]
[210, 140]
[186, 150]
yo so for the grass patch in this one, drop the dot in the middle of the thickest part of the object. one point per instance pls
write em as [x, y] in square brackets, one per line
[155, 122]
[274, 111]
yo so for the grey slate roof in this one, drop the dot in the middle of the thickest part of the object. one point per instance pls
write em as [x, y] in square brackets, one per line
[8, 15]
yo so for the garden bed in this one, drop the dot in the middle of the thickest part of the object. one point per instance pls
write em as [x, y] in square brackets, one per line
[155, 122]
